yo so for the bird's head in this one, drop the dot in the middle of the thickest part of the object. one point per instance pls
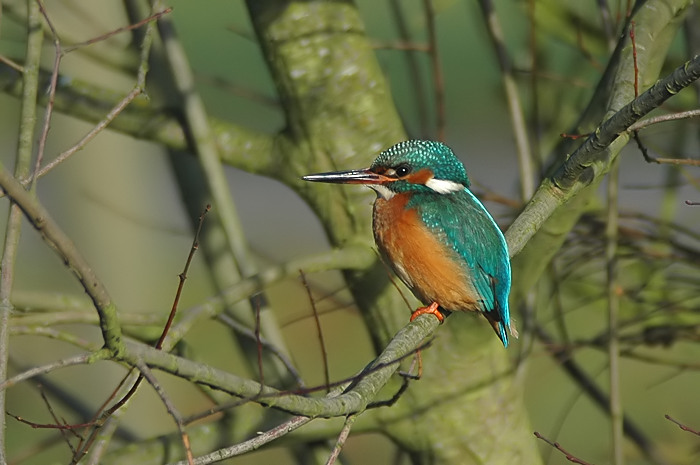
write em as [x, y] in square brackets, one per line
[408, 167]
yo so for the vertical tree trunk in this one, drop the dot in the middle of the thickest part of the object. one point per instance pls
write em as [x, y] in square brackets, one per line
[466, 408]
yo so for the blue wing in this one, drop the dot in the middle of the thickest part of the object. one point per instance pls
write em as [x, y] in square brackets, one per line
[465, 225]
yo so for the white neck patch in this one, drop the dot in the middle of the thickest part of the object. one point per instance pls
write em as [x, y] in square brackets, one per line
[382, 191]
[443, 186]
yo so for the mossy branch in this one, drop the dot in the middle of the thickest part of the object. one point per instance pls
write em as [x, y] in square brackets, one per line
[594, 156]
[538, 232]
[237, 146]
[361, 392]
[13, 227]
[55, 237]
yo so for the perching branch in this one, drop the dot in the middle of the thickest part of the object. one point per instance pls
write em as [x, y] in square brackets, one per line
[355, 398]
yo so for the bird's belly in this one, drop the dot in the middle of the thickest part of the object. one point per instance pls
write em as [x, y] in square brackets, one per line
[433, 271]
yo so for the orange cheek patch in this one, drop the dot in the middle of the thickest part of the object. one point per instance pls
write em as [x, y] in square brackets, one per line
[420, 177]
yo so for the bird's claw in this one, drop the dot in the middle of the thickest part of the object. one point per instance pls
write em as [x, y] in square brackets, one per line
[432, 309]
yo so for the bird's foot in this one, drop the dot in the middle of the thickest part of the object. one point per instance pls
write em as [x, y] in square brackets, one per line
[432, 309]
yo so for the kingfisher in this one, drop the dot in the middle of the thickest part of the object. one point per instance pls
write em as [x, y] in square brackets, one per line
[434, 233]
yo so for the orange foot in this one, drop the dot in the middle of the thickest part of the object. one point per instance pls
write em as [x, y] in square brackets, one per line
[431, 309]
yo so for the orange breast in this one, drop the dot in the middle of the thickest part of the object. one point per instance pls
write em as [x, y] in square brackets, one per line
[430, 269]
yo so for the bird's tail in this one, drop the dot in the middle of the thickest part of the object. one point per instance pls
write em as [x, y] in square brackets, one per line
[502, 328]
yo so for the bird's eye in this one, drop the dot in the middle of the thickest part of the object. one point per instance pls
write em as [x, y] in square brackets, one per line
[402, 170]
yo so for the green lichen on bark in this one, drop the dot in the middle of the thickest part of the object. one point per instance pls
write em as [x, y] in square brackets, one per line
[340, 115]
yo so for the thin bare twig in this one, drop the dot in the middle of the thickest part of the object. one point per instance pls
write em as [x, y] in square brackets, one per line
[54, 236]
[13, 226]
[12, 64]
[251, 444]
[606, 19]
[214, 410]
[258, 345]
[517, 119]
[414, 72]
[563, 355]
[438, 79]
[182, 277]
[634, 59]
[319, 331]
[99, 418]
[405, 45]
[55, 365]
[308, 390]
[172, 410]
[102, 415]
[570, 457]
[358, 377]
[64, 432]
[406, 379]
[342, 437]
[296, 422]
[53, 334]
[267, 345]
[137, 90]
[119, 30]
[52, 94]
[682, 426]
[663, 118]
[113, 113]
[103, 424]
[57, 426]
[661, 161]
[613, 299]
[534, 80]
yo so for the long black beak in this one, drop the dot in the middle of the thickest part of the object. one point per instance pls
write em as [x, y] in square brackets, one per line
[348, 177]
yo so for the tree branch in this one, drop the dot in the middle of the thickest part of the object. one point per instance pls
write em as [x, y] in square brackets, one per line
[238, 146]
[594, 156]
[54, 236]
[543, 225]
[13, 228]
[354, 399]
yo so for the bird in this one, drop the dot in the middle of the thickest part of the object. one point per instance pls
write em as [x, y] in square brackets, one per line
[434, 233]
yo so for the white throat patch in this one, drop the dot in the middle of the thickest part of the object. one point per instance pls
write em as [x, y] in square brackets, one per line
[443, 186]
[382, 191]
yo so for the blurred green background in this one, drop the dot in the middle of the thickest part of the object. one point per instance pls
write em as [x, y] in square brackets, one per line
[117, 201]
